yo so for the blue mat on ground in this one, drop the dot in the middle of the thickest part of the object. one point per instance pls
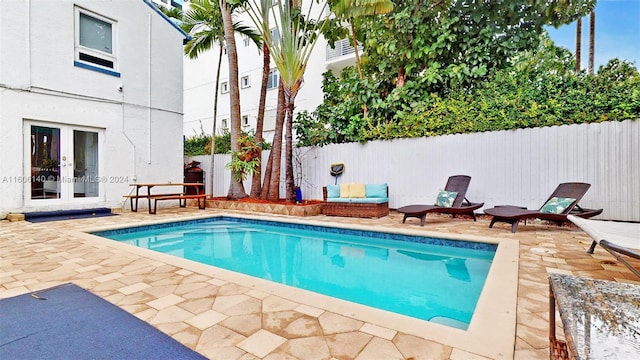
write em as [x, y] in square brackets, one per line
[42, 216]
[68, 322]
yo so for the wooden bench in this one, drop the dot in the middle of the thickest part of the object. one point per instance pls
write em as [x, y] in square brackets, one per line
[134, 208]
[182, 196]
[182, 199]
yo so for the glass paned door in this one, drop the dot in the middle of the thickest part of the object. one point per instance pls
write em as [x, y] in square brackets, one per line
[64, 163]
[85, 165]
[45, 162]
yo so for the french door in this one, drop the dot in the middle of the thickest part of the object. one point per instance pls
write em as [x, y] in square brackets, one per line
[63, 163]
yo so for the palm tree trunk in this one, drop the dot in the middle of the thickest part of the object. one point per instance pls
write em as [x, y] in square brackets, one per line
[355, 48]
[578, 45]
[236, 188]
[355, 51]
[215, 120]
[289, 176]
[256, 180]
[592, 40]
[273, 189]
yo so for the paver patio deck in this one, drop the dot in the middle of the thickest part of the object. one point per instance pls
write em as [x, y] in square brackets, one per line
[226, 320]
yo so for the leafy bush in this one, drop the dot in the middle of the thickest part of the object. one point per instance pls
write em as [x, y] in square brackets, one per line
[201, 144]
[196, 144]
[246, 161]
[538, 88]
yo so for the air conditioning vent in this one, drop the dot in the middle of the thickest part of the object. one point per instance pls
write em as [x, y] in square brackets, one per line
[96, 60]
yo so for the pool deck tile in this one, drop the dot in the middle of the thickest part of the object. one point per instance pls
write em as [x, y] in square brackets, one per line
[261, 343]
[379, 348]
[347, 345]
[378, 331]
[225, 319]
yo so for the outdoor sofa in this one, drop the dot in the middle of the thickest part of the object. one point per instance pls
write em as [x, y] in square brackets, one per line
[356, 200]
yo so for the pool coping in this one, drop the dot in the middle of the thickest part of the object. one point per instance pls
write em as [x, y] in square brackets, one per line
[491, 332]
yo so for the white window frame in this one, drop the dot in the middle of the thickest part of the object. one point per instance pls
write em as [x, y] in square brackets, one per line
[245, 82]
[246, 40]
[224, 123]
[224, 50]
[224, 87]
[79, 49]
[273, 73]
[245, 120]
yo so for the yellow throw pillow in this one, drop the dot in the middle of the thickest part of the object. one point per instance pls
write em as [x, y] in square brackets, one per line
[344, 190]
[357, 190]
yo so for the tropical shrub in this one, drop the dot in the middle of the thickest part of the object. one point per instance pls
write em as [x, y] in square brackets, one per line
[200, 144]
[247, 160]
[196, 144]
[538, 88]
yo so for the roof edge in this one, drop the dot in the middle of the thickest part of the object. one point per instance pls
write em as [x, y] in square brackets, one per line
[155, 8]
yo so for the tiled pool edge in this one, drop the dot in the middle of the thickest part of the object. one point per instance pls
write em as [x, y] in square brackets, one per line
[491, 333]
[422, 239]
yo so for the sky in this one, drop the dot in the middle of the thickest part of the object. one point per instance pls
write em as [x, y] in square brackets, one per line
[617, 33]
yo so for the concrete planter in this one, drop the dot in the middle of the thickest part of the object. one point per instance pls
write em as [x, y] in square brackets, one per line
[280, 209]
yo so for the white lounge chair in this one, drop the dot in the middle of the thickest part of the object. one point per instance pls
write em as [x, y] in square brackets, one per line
[615, 237]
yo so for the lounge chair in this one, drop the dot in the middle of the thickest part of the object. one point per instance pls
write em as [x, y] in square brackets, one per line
[458, 204]
[615, 237]
[562, 202]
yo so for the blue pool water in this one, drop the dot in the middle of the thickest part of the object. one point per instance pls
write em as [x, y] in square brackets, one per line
[426, 278]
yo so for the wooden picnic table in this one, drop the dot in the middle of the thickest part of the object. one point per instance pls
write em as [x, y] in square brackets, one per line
[182, 196]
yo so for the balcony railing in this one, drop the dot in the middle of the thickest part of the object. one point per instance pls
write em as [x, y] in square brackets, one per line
[342, 47]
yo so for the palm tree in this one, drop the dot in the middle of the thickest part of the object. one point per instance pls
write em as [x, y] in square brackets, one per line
[174, 12]
[561, 12]
[290, 47]
[592, 40]
[578, 44]
[256, 186]
[236, 188]
[347, 10]
[203, 22]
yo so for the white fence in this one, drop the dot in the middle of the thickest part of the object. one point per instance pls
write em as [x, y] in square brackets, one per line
[518, 167]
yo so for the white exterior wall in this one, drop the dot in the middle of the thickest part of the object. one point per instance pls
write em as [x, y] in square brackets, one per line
[517, 167]
[139, 127]
[199, 86]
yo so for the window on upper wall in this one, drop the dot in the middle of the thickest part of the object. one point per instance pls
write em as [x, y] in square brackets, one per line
[245, 82]
[224, 50]
[224, 124]
[272, 81]
[245, 120]
[224, 87]
[95, 40]
[246, 40]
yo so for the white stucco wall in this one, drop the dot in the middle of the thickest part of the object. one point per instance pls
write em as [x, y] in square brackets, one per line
[139, 127]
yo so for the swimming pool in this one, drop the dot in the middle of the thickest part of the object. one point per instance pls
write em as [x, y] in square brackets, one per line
[425, 278]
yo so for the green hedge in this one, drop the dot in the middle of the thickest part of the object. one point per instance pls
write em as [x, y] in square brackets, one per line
[534, 92]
